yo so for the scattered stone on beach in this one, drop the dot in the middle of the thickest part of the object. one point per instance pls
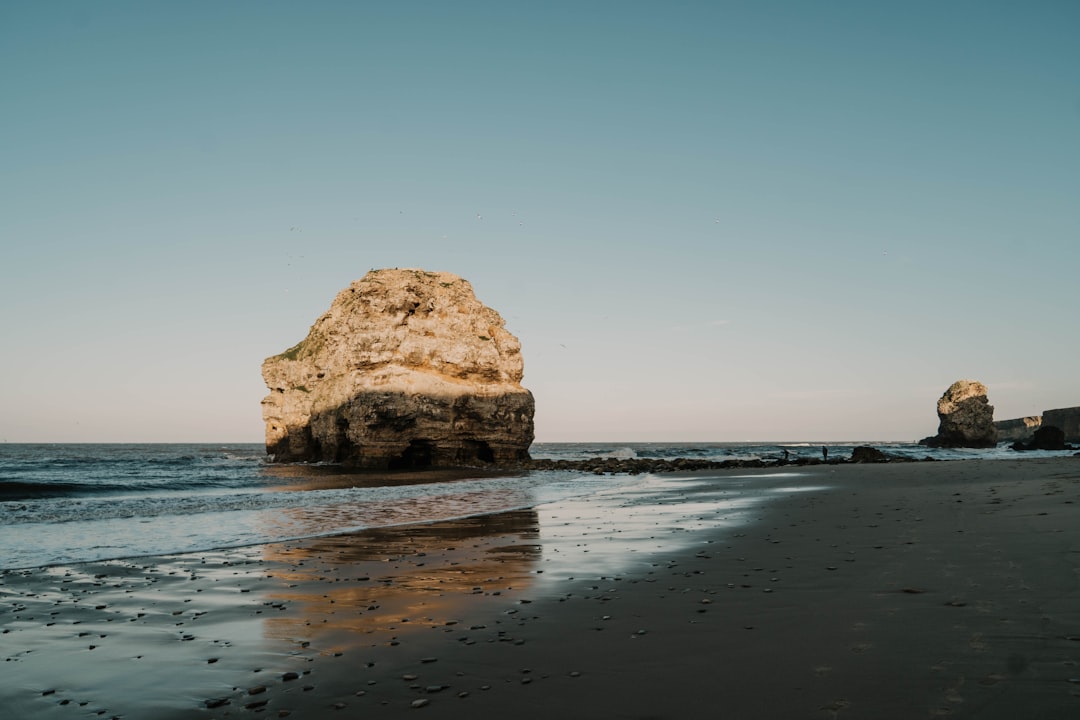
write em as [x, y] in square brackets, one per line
[643, 466]
[406, 369]
[966, 418]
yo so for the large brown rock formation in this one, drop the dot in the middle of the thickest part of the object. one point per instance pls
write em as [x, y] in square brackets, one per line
[406, 369]
[966, 418]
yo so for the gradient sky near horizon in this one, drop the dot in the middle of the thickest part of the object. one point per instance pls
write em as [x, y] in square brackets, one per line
[706, 221]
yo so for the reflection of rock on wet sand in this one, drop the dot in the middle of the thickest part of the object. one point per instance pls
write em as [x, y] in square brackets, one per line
[348, 590]
[354, 500]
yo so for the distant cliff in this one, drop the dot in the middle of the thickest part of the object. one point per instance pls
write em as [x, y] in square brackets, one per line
[1023, 429]
[407, 369]
[1068, 419]
[1018, 430]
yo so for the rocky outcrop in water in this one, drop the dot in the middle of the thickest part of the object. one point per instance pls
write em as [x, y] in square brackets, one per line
[966, 418]
[1047, 437]
[639, 466]
[407, 369]
[867, 454]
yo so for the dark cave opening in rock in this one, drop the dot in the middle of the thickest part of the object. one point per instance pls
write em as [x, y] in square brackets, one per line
[344, 449]
[476, 450]
[419, 454]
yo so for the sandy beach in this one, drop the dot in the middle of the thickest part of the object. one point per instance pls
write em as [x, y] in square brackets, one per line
[934, 589]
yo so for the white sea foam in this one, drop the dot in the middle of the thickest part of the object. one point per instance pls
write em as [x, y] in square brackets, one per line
[623, 453]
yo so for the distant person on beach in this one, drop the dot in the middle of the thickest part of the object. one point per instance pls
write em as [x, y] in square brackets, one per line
[786, 454]
[825, 453]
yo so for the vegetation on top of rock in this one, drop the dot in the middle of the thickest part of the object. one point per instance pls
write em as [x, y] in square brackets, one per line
[292, 353]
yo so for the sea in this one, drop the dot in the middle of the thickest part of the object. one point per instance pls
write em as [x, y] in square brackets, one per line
[71, 503]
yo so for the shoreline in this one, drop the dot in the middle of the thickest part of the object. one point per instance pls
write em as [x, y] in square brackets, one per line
[892, 590]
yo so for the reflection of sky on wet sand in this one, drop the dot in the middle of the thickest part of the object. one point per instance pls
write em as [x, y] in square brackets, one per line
[615, 532]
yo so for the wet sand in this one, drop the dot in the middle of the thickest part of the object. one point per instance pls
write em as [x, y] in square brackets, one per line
[948, 589]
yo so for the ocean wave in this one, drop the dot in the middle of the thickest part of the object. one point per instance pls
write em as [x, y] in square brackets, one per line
[19, 490]
[52, 510]
[14, 490]
[623, 453]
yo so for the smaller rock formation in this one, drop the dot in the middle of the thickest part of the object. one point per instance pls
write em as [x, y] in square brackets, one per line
[867, 454]
[1047, 437]
[966, 418]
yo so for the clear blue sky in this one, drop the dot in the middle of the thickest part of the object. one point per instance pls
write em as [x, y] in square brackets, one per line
[704, 220]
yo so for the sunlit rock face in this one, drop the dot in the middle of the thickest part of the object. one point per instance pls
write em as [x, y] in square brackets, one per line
[966, 417]
[406, 369]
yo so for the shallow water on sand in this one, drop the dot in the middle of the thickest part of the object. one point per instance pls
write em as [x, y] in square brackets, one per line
[77, 503]
[159, 637]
